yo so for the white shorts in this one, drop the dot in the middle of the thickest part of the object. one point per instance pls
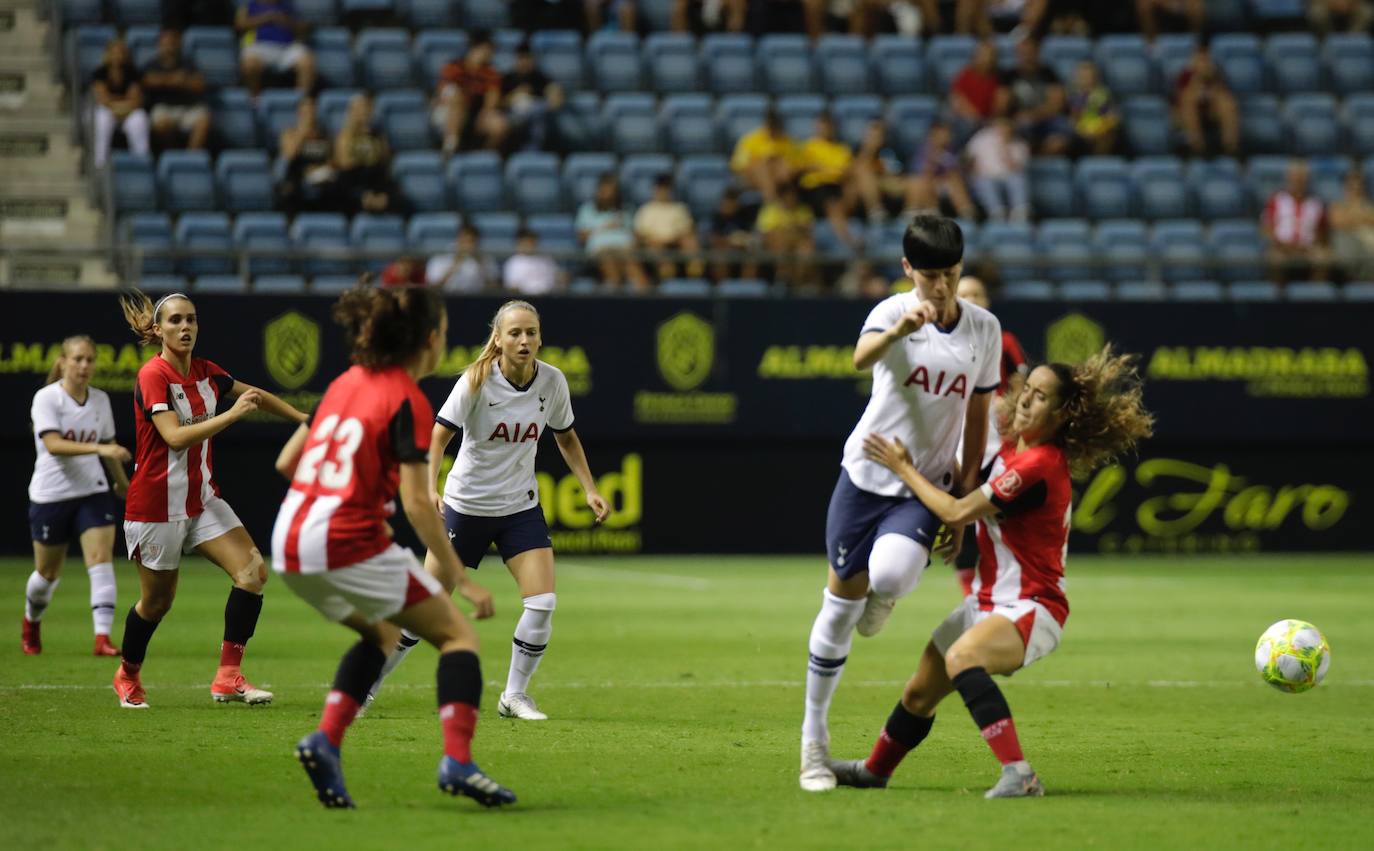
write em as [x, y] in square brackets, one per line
[159, 546]
[376, 588]
[1039, 630]
[277, 56]
[185, 117]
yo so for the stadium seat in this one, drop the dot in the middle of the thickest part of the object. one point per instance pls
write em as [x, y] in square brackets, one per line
[742, 288]
[498, 231]
[1294, 63]
[689, 125]
[1273, 11]
[579, 122]
[253, 232]
[215, 53]
[185, 181]
[504, 43]
[1148, 125]
[1197, 291]
[614, 60]
[1237, 247]
[785, 64]
[1173, 52]
[728, 60]
[1012, 247]
[1126, 65]
[638, 173]
[1161, 187]
[559, 54]
[830, 246]
[1028, 291]
[319, 232]
[419, 176]
[1310, 291]
[700, 182]
[908, 120]
[1349, 59]
[1122, 246]
[332, 108]
[532, 183]
[1065, 249]
[1178, 247]
[221, 283]
[142, 43]
[685, 288]
[150, 232]
[403, 116]
[81, 11]
[435, 49]
[737, 115]
[556, 232]
[1241, 60]
[163, 283]
[432, 233]
[1218, 191]
[946, 56]
[581, 171]
[631, 119]
[1313, 124]
[276, 112]
[233, 120]
[86, 48]
[278, 284]
[132, 12]
[1264, 176]
[672, 63]
[1253, 291]
[1358, 115]
[132, 185]
[898, 65]
[486, 14]
[1051, 186]
[429, 14]
[1082, 291]
[382, 236]
[1358, 291]
[1261, 125]
[334, 65]
[799, 114]
[843, 64]
[477, 182]
[1063, 53]
[584, 287]
[1327, 177]
[244, 180]
[853, 115]
[385, 58]
[332, 284]
[204, 231]
[1104, 187]
[1141, 291]
[318, 13]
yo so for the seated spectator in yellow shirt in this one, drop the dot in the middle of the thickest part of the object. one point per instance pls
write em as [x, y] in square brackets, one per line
[785, 225]
[826, 168]
[765, 158]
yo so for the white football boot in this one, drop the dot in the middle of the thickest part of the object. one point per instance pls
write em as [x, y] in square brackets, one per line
[519, 706]
[816, 775]
[1018, 780]
[877, 609]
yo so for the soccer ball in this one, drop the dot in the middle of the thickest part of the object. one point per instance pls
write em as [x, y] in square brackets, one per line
[1292, 656]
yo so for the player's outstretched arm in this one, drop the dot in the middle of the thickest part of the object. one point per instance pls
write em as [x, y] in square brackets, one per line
[571, 448]
[873, 345]
[415, 488]
[976, 424]
[439, 438]
[290, 454]
[178, 437]
[271, 403]
[952, 511]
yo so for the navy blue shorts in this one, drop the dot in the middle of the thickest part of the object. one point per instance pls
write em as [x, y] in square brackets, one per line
[857, 518]
[54, 523]
[513, 534]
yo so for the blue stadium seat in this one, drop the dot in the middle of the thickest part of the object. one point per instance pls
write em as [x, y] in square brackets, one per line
[614, 60]
[1228, 15]
[204, 231]
[86, 48]
[946, 56]
[972, 240]
[1141, 291]
[1051, 186]
[532, 183]
[1349, 59]
[559, 54]
[853, 115]
[185, 181]
[1218, 191]
[1082, 291]
[1126, 65]
[150, 232]
[657, 15]
[1264, 176]
[700, 182]
[223, 283]
[1065, 249]
[1005, 47]
[685, 288]
[276, 112]
[1063, 53]
[504, 43]
[1294, 63]
[843, 64]
[1173, 52]
[908, 120]
[1328, 177]
[637, 175]
[163, 283]
[1253, 291]
[1148, 125]
[898, 64]
[318, 13]
[1179, 248]
[1241, 60]
[1056, 231]
[431, 14]
[1123, 248]
[332, 108]
[1028, 291]
[1237, 247]
[403, 116]
[1313, 124]
[259, 232]
[317, 232]
[1268, 11]
[742, 288]
[739, 114]
[1358, 291]
[785, 64]
[334, 65]
[142, 43]
[1310, 291]
[728, 59]
[799, 114]
[132, 12]
[828, 242]
[477, 182]
[1358, 113]
[631, 119]
[1197, 291]
[278, 284]
[689, 124]
[385, 58]
[332, 284]
[374, 233]
[436, 48]
[672, 62]
[1012, 247]
[556, 232]
[498, 231]
[1161, 187]
[1104, 188]
[419, 177]
[81, 11]
[584, 287]
[432, 233]
[1261, 125]
[486, 14]
[214, 51]
[582, 170]
[132, 184]
[233, 120]
[244, 179]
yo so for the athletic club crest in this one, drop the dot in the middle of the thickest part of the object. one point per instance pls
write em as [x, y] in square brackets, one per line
[291, 348]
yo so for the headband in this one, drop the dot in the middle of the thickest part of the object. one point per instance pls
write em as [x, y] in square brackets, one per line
[157, 307]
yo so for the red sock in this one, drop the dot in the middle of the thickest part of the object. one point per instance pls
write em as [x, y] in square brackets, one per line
[459, 721]
[339, 712]
[131, 670]
[1001, 737]
[231, 654]
[887, 754]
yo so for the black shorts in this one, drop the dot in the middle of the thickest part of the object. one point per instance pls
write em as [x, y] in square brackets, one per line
[55, 523]
[512, 534]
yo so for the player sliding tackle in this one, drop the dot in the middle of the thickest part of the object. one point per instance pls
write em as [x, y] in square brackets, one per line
[935, 363]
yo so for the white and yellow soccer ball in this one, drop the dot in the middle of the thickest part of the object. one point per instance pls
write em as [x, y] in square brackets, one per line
[1292, 656]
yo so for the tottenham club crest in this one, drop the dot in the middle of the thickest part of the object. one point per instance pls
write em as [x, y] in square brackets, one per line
[291, 347]
[686, 349]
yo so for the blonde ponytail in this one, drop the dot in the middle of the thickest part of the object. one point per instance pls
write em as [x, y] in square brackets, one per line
[55, 373]
[481, 368]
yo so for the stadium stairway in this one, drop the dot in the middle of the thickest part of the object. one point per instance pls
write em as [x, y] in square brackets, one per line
[43, 200]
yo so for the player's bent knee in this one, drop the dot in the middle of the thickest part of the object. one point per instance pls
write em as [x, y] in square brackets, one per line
[253, 575]
[895, 565]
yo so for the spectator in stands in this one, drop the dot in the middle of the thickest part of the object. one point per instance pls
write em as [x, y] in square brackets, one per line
[405, 271]
[703, 16]
[664, 227]
[997, 160]
[118, 103]
[1352, 16]
[1352, 229]
[877, 173]
[532, 101]
[527, 271]
[467, 269]
[1157, 16]
[175, 91]
[732, 230]
[1204, 105]
[1033, 95]
[1295, 223]
[1093, 110]
[362, 159]
[766, 157]
[603, 226]
[624, 13]
[467, 101]
[937, 175]
[826, 173]
[786, 227]
[310, 182]
[973, 96]
[272, 36]
[861, 280]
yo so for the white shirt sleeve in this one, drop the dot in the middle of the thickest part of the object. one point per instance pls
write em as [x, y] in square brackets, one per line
[560, 406]
[884, 315]
[45, 414]
[454, 412]
[437, 269]
[107, 423]
[990, 371]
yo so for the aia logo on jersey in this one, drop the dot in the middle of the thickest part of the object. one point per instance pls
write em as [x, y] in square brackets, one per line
[82, 436]
[920, 377]
[1008, 484]
[513, 434]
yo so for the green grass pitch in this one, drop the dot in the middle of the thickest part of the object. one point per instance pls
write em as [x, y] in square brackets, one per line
[674, 685]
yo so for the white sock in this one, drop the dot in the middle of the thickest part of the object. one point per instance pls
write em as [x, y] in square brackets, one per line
[102, 596]
[398, 655]
[37, 596]
[531, 637]
[831, 636]
[895, 565]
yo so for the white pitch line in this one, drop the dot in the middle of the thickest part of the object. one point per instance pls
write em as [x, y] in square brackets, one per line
[641, 577]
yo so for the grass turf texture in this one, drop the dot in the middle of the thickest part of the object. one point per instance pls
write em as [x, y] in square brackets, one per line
[674, 685]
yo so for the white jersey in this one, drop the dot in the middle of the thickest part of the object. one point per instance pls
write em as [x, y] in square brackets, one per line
[921, 388]
[501, 425]
[59, 477]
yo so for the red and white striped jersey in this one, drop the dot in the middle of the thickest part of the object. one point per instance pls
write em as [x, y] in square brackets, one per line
[167, 484]
[369, 422]
[1021, 549]
[1296, 221]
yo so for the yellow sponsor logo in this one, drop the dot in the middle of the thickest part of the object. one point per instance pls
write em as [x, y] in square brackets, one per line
[291, 349]
[797, 362]
[1268, 370]
[116, 366]
[572, 360]
[686, 349]
[1073, 339]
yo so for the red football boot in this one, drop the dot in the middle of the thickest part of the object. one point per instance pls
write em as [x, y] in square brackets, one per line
[33, 638]
[130, 690]
[103, 647]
